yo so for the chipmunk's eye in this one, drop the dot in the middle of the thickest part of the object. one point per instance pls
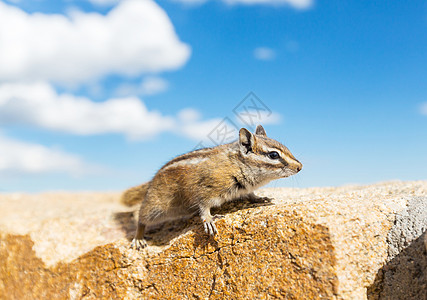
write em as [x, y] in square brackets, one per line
[273, 155]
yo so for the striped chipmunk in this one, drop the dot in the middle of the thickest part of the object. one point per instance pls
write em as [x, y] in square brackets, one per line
[194, 182]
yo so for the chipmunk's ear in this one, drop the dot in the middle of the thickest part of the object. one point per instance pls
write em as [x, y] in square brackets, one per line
[260, 131]
[246, 140]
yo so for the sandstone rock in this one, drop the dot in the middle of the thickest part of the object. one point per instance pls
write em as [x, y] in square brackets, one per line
[349, 242]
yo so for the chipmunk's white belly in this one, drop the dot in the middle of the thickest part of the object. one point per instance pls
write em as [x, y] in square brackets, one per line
[217, 201]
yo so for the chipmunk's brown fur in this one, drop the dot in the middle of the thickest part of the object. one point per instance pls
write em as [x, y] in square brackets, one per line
[196, 181]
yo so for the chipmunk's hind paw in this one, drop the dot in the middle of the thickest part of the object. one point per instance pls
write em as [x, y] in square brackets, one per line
[138, 244]
[210, 228]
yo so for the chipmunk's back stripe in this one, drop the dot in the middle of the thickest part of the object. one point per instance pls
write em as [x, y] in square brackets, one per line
[191, 158]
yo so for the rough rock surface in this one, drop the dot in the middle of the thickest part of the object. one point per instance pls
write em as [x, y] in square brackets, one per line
[352, 242]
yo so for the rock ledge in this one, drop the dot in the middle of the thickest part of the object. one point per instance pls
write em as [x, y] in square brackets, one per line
[353, 242]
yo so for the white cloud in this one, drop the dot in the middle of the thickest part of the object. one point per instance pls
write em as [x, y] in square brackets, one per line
[38, 104]
[191, 2]
[149, 86]
[199, 130]
[153, 85]
[104, 2]
[209, 132]
[191, 125]
[298, 4]
[189, 115]
[134, 37]
[264, 53]
[253, 117]
[22, 157]
[423, 108]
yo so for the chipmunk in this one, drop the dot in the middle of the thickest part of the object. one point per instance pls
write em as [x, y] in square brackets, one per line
[194, 182]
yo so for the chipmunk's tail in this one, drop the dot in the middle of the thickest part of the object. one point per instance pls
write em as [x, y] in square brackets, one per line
[134, 195]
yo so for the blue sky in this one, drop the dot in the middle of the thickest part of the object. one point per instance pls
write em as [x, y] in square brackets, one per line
[98, 94]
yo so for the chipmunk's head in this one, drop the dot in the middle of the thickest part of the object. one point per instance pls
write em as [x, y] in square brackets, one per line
[266, 155]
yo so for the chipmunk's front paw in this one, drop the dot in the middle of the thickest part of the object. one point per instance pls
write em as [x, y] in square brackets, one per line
[210, 227]
[257, 199]
[138, 244]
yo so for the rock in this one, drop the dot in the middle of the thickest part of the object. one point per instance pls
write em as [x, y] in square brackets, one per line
[404, 276]
[352, 242]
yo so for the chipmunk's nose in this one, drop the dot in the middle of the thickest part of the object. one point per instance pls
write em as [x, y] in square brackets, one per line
[298, 166]
[294, 165]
